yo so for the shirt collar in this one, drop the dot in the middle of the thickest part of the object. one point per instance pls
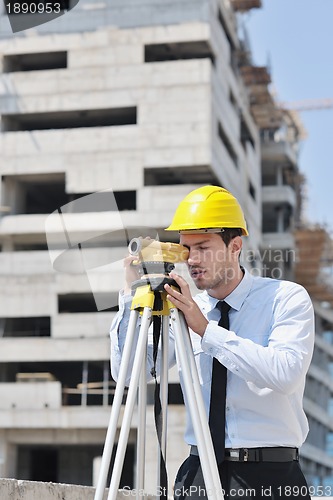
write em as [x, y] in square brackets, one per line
[237, 297]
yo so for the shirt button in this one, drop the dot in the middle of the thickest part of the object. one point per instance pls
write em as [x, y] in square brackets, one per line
[227, 408]
[232, 435]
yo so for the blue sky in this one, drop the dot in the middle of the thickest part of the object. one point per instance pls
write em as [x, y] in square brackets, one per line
[296, 38]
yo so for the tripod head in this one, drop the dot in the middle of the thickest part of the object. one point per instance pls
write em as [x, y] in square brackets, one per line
[156, 256]
[155, 260]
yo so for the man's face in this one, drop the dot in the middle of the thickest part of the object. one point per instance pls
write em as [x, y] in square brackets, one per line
[211, 264]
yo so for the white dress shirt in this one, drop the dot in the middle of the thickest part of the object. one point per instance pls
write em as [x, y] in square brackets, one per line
[267, 352]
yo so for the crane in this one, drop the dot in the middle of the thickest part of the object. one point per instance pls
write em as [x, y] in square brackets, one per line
[307, 104]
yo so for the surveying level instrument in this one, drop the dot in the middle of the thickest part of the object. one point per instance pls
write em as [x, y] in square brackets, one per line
[156, 256]
[155, 260]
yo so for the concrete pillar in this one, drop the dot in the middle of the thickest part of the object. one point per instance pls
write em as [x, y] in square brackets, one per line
[96, 469]
[7, 244]
[7, 457]
[279, 220]
[279, 175]
[2, 454]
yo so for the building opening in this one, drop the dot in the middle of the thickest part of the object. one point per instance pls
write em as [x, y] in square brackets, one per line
[68, 464]
[44, 465]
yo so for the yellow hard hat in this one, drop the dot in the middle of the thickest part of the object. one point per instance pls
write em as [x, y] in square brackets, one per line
[208, 209]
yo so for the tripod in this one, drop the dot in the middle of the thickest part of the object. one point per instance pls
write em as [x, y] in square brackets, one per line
[144, 303]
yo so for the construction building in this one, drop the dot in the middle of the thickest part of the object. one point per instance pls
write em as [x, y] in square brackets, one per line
[314, 271]
[137, 102]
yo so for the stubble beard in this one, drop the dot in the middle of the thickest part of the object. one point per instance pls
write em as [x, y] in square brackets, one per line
[219, 279]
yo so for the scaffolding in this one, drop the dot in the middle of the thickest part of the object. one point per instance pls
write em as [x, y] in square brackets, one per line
[266, 113]
[314, 266]
[245, 5]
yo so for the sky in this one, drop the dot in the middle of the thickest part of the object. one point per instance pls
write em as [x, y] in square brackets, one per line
[295, 38]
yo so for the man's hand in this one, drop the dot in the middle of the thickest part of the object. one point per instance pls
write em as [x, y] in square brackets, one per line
[185, 303]
[131, 273]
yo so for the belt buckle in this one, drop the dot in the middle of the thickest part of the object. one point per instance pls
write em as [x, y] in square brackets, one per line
[239, 455]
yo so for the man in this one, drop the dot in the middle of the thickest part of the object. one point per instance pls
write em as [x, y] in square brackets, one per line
[264, 338]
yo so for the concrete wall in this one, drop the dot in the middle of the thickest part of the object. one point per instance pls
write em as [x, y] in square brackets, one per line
[12, 489]
[20, 394]
[27, 490]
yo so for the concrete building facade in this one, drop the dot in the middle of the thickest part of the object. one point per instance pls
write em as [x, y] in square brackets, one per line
[136, 102]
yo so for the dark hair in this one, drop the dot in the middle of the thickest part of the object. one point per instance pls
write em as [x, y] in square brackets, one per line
[229, 233]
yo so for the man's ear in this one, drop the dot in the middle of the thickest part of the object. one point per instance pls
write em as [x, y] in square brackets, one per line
[236, 245]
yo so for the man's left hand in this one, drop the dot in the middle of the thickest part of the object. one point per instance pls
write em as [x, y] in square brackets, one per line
[184, 302]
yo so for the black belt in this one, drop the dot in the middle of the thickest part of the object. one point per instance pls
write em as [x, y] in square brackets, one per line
[278, 454]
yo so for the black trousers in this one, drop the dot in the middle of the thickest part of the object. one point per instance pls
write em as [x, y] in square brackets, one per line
[244, 480]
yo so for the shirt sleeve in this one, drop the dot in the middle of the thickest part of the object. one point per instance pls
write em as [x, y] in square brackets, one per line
[280, 365]
[118, 331]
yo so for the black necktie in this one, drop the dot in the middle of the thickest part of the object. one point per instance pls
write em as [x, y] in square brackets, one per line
[218, 394]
